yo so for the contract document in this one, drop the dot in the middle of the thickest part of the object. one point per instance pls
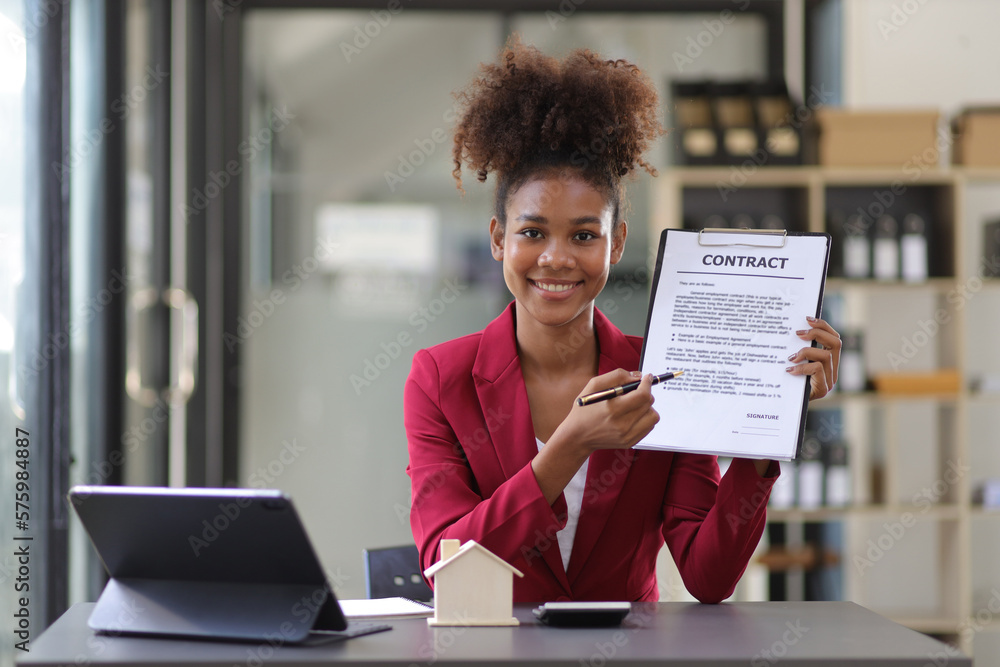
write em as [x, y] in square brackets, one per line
[724, 308]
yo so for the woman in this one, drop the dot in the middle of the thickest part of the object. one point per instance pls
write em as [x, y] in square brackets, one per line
[499, 451]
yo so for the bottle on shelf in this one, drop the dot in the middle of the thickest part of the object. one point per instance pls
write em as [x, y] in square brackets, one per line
[913, 248]
[783, 491]
[852, 375]
[991, 249]
[857, 248]
[742, 221]
[810, 474]
[838, 475]
[715, 221]
[885, 251]
[772, 221]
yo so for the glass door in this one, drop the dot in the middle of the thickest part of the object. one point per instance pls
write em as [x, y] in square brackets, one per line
[359, 250]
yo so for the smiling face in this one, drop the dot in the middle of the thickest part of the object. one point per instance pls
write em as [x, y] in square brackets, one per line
[557, 247]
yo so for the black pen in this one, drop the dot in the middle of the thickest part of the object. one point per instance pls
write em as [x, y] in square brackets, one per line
[605, 394]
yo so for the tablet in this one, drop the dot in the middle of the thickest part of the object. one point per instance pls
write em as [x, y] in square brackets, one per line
[220, 563]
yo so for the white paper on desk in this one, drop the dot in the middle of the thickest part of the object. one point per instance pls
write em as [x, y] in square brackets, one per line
[731, 329]
[384, 608]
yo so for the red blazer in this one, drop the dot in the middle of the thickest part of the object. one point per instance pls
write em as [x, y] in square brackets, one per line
[471, 440]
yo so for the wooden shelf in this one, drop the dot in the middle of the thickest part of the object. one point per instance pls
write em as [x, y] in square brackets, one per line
[945, 512]
[878, 449]
[762, 177]
[941, 285]
[837, 399]
[805, 516]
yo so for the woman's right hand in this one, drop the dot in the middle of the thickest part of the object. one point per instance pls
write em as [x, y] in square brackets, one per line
[617, 423]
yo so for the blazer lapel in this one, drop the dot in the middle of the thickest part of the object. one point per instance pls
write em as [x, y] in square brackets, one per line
[608, 468]
[504, 402]
[502, 396]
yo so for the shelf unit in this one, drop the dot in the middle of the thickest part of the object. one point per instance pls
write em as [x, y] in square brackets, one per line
[909, 456]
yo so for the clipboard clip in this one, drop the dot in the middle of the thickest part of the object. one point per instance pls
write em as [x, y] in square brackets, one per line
[775, 237]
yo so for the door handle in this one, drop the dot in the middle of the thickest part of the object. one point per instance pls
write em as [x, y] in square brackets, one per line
[185, 359]
[183, 346]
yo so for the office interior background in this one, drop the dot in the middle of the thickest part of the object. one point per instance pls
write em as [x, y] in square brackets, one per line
[226, 227]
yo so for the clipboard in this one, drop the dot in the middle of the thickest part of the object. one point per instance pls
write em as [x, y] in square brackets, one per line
[731, 259]
[754, 238]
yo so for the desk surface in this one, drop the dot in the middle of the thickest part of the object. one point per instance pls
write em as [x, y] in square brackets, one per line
[741, 633]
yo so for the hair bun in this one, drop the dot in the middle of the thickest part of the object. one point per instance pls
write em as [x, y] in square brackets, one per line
[529, 110]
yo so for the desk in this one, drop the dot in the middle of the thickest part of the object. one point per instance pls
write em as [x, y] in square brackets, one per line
[671, 633]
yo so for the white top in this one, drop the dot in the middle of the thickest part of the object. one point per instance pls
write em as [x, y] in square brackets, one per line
[574, 503]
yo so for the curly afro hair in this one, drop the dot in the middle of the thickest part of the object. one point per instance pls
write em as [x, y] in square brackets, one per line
[531, 113]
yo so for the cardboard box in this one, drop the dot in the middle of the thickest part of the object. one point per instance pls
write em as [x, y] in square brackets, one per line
[876, 138]
[977, 143]
[944, 381]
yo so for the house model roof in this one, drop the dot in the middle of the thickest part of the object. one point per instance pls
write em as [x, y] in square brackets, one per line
[468, 547]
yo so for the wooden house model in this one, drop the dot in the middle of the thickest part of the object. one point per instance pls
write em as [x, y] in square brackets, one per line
[472, 586]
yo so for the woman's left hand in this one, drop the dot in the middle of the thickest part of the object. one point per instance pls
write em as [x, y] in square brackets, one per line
[819, 363]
